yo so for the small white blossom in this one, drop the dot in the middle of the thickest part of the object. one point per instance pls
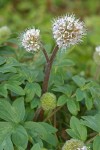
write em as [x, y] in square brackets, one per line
[30, 39]
[97, 49]
[68, 31]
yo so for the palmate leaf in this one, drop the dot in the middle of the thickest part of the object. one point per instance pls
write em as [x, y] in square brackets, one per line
[77, 130]
[39, 130]
[12, 113]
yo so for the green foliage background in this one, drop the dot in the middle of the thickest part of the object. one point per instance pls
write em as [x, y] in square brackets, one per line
[74, 77]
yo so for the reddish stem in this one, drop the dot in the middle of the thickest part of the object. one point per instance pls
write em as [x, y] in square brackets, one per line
[46, 77]
[45, 54]
[48, 70]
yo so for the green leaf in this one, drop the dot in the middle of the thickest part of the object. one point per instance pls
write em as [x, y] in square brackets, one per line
[35, 102]
[14, 113]
[92, 122]
[62, 100]
[6, 129]
[36, 147]
[80, 95]
[6, 68]
[89, 103]
[3, 91]
[96, 143]
[72, 106]
[48, 127]
[29, 92]
[7, 144]
[65, 89]
[34, 128]
[77, 129]
[37, 130]
[7, 112]
[11, 61]
[15, 88]
[51, 139]
[20, 137]
[37, 89]
[2, 60]
[72, 134]
[19, 107]
[79, 80]
[31, 89]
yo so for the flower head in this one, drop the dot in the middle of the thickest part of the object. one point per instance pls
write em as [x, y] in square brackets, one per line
[30, 39]
[74, 144]
[96, 55]
[48, 101]
[68, 31]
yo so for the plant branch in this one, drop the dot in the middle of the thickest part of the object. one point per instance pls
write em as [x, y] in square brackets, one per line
[47, 76]
[45, 54]
[48, 70]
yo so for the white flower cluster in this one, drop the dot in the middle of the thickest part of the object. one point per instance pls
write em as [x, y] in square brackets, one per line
[68, 31]
[97, 49]
[30, 39]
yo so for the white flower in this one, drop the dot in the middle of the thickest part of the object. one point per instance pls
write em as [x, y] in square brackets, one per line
[30, 39]
[68, 31]
[97, 49]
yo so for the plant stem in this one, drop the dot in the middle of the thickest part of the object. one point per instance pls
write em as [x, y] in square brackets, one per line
[52, 113]
[47, 76]
[48, 70]
[90, 140]
[45, 54]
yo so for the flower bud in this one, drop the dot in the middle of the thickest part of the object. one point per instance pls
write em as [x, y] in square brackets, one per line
[74, 144]
[48, 101]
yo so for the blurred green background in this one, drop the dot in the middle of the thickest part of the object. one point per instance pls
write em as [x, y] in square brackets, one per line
[21, 14]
